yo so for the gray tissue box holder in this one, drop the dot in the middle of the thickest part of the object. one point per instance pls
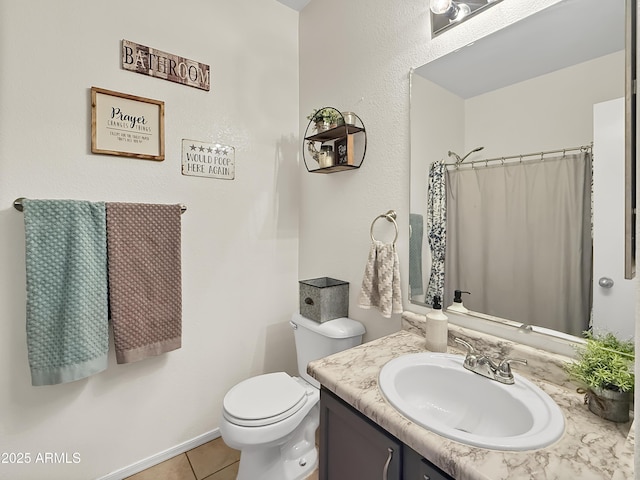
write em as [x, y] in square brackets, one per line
[323, 299]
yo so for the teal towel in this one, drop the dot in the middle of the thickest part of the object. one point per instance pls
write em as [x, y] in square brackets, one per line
[67, 302]
[415, 254]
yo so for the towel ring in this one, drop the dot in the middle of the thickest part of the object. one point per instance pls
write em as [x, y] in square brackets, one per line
[391, 217]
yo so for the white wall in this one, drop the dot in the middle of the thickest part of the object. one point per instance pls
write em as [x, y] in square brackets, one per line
[519, 119]
[240, 237]
[437, 120]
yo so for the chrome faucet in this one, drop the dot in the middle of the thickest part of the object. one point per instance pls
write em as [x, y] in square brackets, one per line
[483, 365]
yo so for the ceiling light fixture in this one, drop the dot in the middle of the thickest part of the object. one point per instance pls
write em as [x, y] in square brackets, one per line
[446, 14]
[454, 11]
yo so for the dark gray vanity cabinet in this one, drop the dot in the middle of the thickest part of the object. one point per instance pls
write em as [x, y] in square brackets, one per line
[415, 467]
[352, 447]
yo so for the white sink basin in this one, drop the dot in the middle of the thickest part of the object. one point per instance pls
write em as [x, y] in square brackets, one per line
[436, 392]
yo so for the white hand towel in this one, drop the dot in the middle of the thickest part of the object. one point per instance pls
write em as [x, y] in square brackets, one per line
[381, 282]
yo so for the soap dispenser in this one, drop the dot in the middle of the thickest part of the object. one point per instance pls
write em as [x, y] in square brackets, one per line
[457, 305]
[436, 328]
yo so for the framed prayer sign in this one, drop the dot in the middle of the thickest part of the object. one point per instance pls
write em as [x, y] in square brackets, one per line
[126, 125]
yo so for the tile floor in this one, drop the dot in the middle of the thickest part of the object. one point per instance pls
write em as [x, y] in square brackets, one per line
[210, 461]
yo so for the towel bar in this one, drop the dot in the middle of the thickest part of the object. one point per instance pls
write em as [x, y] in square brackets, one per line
[391, 217]
[17, 204]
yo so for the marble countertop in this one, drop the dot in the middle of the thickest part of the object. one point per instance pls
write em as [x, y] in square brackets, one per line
[591, 448]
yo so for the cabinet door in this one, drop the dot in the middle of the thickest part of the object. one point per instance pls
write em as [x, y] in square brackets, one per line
[352, 447]
[417, 468]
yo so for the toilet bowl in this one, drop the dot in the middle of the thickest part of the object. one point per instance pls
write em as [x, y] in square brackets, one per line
[272, 418]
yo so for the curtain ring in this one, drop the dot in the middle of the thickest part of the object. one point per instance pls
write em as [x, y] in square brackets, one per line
[390, 216]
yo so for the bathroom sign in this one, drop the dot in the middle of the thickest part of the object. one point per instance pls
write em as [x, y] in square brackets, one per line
[155, 63]
[200, 159]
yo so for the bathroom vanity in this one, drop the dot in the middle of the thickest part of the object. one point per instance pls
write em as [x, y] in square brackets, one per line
[352, 446]
[359, 427]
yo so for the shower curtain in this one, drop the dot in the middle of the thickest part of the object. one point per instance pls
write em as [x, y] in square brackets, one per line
[436, 229]
[519, 239]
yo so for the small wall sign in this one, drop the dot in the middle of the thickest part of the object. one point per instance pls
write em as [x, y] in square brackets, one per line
[155, 63]
[344, 150]
[126, 125]
[213, 160]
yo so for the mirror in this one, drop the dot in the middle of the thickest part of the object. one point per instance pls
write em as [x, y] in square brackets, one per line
[529, 87]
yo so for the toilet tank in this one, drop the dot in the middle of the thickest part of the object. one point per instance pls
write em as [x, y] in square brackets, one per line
[316, 340]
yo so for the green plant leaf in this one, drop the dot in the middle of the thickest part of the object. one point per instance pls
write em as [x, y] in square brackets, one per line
[604, 362]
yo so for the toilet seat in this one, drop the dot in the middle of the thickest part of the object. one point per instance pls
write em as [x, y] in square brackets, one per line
[264, 400]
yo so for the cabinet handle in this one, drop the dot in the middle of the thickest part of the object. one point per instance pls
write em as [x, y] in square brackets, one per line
[385, 470]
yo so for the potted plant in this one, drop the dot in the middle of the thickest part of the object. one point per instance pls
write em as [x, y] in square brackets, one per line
[604, 365]
[326, 118]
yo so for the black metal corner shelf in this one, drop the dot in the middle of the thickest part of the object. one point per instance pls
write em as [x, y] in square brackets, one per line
[343, 132]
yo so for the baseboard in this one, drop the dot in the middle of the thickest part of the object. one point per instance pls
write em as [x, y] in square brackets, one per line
[162, 456]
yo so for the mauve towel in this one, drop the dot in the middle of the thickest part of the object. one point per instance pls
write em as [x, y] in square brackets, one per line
[145, 285]
[66, 261]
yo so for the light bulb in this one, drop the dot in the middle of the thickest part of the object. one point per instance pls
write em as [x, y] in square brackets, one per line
[440, 6]
[463, 11]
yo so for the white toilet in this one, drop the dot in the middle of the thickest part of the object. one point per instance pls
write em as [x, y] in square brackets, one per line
[272, 418]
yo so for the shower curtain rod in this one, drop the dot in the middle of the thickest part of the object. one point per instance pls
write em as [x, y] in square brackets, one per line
[582, 148]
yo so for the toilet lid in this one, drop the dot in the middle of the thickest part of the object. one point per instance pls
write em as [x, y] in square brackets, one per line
[264, 399]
